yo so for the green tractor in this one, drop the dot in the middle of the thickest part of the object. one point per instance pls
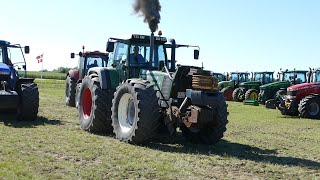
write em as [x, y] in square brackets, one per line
[219, 76]
[232, 82]
[269, 93]
[139, 90]
[250, 90]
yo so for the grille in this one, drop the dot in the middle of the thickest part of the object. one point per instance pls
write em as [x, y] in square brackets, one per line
[204, 82]
[292, 93]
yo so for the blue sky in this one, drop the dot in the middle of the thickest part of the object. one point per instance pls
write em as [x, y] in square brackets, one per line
[234, 35]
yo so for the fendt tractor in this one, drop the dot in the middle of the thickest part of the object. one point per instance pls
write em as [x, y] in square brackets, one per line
[139, 89]
[303, 99]
[87, 60]
[17, 93]
[250, 90]
[272, 91]
[233, 80]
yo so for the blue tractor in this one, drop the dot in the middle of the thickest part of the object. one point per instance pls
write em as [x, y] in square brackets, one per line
[17, 93]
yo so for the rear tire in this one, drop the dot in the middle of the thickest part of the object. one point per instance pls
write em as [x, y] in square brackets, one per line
[309, 107]
[70, 92]
[135, 111]
[95, 107]
[236, 93]
[210, 134]
[251, 94]
[29, 102]
[227, 93]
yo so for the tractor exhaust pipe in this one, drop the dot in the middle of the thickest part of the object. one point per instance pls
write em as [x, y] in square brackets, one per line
[151, 50]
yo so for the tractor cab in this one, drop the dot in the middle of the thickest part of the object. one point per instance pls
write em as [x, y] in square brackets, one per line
[131, 56]
[87, 60]
[294, 77]
[12, 60]
[219, 76]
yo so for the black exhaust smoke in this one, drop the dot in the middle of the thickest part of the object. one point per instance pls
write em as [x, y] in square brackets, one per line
[150, 9]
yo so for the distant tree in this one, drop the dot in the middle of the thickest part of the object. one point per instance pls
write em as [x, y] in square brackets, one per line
[45, 70]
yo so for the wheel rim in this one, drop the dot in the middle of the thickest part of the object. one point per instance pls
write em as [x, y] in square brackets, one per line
[253, 96]
[126, 112]
[86, 103]
[314, 108]
[228, 94]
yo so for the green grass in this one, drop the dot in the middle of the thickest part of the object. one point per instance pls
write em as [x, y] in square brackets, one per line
[259, 144]
[46, 75]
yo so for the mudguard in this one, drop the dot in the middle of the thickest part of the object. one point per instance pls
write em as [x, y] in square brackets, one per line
[109, 77]
[74, 74]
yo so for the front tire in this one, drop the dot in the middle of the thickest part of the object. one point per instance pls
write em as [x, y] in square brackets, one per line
[70, 92]
[210, 134]
[95, 107]
[135, 111]
[309, 107]
[29, 102]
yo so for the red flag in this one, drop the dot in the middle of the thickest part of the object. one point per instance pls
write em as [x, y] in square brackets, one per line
[40, 58]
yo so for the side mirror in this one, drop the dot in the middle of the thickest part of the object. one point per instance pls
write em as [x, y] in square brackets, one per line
[26, 49]
[24, 67]
[196, 54]
[72, 55]
[80, 54]
[110, 46]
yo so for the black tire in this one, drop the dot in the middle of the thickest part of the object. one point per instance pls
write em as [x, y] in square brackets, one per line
[135, 111]
[29, 102]
[70, 92]
[309, 107]
[251, 94]
[227, 93]
[236, 93]
[95, 107]
[211, 134]
[280, 93]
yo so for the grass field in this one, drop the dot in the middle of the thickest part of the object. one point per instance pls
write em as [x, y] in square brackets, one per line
[259, 144]
[46, 75]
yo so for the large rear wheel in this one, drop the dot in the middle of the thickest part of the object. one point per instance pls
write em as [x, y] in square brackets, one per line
[135, 111]
[309, 107]
[251, 94]
[95, 107]
[236, 95]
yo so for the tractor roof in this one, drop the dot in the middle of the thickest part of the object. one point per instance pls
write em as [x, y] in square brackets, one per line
[95, 53]
[2, 42]
[239, 73]
[267, 72]
[294, 71]
[139, 37]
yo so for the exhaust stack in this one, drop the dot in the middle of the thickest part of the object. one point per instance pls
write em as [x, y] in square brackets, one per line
[151, 50]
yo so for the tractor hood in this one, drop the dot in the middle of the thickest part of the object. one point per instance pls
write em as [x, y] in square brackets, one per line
[4, 69]
[223, 84]
[250, 83]
[265, 86]
[303, 86]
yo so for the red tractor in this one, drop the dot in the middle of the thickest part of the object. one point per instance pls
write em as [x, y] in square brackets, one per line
[87, 60]
[303, 99]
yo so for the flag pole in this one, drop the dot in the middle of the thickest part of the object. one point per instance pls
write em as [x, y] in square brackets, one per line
[42, 65]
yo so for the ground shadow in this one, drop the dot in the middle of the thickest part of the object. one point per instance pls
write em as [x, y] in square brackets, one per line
[227, 148]
[9, 119]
